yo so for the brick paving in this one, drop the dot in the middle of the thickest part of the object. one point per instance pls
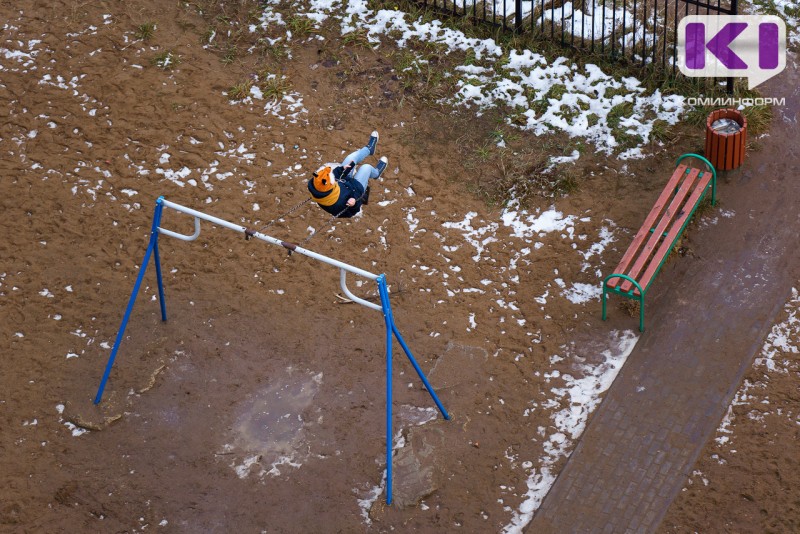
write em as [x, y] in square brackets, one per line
[706, 317]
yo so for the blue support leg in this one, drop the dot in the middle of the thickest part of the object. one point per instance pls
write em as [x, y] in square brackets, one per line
[162, 302]
[419, 372]
[387, 316]
[152, 245]
[389, 437]
[391, 329]
[156, 223]
[125, 318]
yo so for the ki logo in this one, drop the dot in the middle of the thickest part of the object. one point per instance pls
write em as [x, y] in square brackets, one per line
[723, 46]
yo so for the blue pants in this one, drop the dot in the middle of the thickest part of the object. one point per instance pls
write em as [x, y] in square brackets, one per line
[364, 172]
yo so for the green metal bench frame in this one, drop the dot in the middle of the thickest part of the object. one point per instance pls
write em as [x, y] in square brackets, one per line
[664, 220]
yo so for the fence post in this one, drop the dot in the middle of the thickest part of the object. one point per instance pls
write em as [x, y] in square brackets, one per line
[518, 16]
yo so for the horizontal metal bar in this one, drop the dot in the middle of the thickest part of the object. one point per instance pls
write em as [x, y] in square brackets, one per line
[269, 239]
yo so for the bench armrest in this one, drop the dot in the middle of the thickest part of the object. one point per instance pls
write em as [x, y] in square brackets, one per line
[640, 298]
[625, 277]
[713, 174]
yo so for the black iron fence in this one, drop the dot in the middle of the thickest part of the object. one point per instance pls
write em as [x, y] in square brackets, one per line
[643, 32]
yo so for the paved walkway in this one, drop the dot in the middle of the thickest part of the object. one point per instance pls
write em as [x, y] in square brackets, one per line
[708, 318]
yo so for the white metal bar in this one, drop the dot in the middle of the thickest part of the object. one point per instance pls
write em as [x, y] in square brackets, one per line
[183, 237]
[349, 294]
[269, 239]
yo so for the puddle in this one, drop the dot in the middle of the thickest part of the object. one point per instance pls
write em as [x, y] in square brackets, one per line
[416, 416]
[270, 428]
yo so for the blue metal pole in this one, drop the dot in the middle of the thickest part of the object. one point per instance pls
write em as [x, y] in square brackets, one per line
[161, 300]
[387, 316]
[131, 301]
[419, 372]
[156, 256]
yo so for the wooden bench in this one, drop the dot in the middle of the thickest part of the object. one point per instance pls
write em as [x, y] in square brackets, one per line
[661, 229]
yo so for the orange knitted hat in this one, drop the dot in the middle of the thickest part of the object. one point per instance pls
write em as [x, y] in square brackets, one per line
[323, 181]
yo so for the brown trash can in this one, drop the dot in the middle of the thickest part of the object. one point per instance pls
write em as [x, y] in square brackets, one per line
[726, 136]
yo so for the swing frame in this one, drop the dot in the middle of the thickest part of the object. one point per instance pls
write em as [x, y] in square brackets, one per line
[344, 269]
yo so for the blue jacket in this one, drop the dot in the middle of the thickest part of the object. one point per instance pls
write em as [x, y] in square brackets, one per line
[348, 188]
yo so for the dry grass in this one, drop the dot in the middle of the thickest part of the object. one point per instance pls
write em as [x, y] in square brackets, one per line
[241, 90]
[166, 60]
[274, 86]
[629, 307]
[144, 32]
[520, 170]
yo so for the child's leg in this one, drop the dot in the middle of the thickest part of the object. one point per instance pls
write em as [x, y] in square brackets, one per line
[357, 156]
[365, 172]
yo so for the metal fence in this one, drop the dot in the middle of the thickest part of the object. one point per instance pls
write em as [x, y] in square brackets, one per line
[643, 32]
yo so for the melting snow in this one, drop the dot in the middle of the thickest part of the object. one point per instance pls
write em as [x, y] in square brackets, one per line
[580, 293]
[581, 396]
[525, 225]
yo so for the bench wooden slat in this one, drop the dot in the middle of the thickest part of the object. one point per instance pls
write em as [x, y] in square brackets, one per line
[677, 226]
[643, 232]
[656, 237]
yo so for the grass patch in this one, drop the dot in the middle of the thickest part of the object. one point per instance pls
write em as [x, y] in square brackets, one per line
[434, 85]
[166, 60]
[566, 183]
[697, 116]
[556, 91]
[357, 38]
[274, 86]
[230, 55]
[278, 52]
[504, 135]
[469, 57]
[661, 132]
[520, 173]
[627, 140]
[208, 35]
[144, 32]
[624, 138]
[619, 112]
[483, 153]
[629, 307]
[404, 60]
[758, 119]
[299, 25]
[424, 73]
[240, 91]
[540, 105]
[611, 92]
[225, 28]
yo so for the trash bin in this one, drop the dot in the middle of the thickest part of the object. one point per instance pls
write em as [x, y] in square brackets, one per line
[726, 136]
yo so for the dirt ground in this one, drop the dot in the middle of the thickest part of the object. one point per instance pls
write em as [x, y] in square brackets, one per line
[744, 480]
[230, 415]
